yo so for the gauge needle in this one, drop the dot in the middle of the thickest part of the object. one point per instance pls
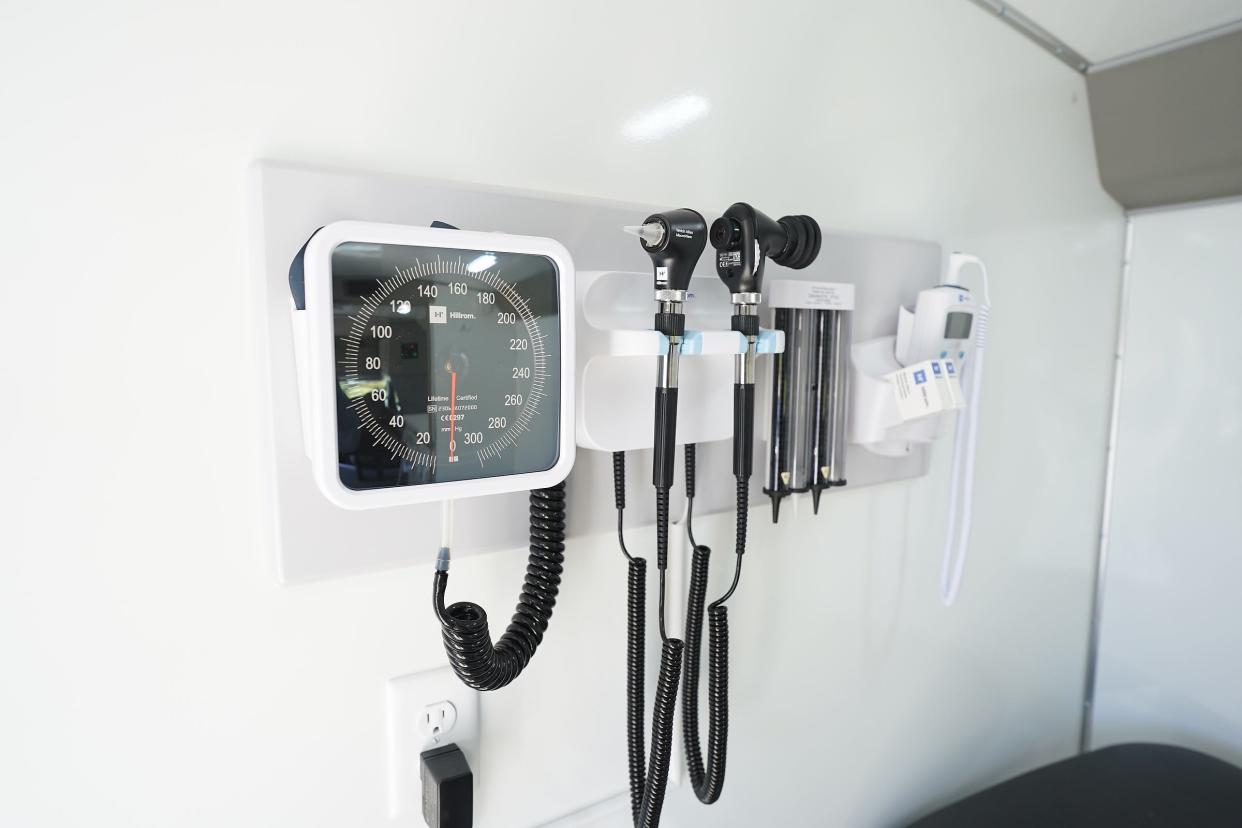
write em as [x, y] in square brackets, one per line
[452, 413]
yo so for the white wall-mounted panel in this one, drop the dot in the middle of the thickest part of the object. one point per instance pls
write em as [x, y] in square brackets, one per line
[316, 539]
[1172, 622]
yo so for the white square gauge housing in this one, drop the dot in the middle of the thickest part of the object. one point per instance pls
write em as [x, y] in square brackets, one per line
[433, 363]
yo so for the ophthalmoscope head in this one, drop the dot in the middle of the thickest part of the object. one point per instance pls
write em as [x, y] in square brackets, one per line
[744, 238]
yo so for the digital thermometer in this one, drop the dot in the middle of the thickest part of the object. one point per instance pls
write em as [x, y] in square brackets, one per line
[433, 363]
[937, 327]
[950, 322]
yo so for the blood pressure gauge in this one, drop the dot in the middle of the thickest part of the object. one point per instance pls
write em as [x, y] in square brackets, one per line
[433, 363]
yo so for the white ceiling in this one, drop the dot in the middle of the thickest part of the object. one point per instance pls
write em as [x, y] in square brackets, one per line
[1105, 29]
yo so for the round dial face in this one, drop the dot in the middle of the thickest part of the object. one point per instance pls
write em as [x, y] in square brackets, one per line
[448, 364]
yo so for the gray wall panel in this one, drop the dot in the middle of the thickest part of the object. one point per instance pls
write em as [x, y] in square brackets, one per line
[1168, 129]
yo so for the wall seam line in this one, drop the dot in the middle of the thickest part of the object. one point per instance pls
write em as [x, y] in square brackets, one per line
[1110, 464]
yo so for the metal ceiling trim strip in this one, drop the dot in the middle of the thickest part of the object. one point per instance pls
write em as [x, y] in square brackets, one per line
[1036, 33]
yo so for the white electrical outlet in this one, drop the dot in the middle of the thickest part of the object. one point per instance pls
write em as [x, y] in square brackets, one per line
[436, 723]
[426, 710]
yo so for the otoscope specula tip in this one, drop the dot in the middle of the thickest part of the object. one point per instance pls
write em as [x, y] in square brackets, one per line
[651, 233]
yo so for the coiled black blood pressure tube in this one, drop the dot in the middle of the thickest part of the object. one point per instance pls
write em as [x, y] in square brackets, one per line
[467, 640]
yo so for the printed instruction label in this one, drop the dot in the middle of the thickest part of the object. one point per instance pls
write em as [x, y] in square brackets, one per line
[793, 293]
[929, 387]
[955, 387]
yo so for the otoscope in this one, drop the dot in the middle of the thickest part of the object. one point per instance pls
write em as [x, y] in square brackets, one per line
[674, 240]
[744, 239]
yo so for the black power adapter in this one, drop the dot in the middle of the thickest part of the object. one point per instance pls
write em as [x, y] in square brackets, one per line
[448, 788]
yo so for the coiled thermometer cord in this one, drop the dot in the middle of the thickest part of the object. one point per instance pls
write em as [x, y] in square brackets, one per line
[962, 488]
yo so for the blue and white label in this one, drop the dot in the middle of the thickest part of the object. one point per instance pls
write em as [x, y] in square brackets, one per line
[926, 388]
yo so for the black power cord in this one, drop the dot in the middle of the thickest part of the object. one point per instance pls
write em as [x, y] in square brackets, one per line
[647, 784]
[448, 788]
[464, 625]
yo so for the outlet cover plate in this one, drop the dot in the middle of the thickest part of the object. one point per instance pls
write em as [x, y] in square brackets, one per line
[408, 697]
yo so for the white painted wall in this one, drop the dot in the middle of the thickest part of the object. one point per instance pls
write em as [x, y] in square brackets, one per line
[155, 674]
[1172, 626]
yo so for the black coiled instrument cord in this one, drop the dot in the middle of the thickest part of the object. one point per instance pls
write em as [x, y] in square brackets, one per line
[647, 784]
[661, 733]
[708, 781]
[467, 639]
[635, 681]
[635, 641]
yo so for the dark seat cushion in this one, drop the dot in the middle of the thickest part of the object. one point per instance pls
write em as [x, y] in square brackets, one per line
[1136, 786]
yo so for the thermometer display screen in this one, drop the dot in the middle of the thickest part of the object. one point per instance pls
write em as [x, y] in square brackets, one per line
[447, 364]
[957, 325]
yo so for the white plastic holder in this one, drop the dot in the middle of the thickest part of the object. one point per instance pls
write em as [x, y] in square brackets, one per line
[616, 350]
[875, 423]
